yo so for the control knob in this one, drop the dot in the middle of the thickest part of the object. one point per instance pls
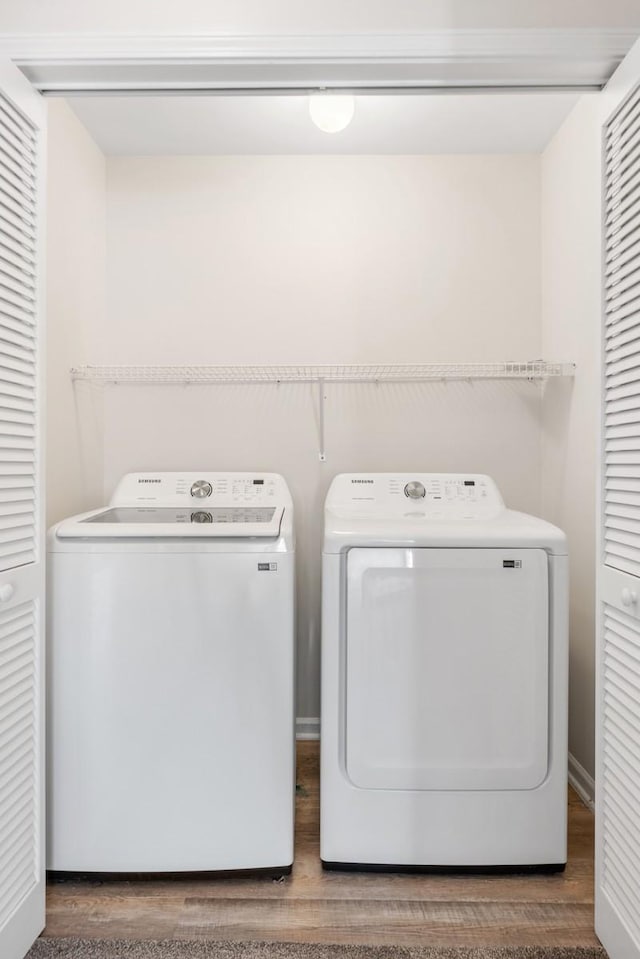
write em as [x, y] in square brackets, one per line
[201, 488]
[201, 516]
[415, 490]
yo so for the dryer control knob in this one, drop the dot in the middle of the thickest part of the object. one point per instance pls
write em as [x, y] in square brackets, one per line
[201, 488]
[415, 490]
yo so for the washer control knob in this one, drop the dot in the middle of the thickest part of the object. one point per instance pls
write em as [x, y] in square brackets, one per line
[415, 490]
[201, 489]
[201, 516]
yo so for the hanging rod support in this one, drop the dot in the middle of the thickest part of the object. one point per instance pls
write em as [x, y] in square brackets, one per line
[322, 456]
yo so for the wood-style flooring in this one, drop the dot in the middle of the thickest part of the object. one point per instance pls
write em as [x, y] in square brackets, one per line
[316, 906]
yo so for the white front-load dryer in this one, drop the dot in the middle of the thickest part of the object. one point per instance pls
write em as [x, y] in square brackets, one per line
[171, 678]
[444, 677]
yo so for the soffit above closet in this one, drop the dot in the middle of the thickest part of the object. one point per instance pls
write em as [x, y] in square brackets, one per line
[393, 124]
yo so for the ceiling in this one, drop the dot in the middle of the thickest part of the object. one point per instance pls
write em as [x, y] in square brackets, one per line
[392, 124]
[294, 18]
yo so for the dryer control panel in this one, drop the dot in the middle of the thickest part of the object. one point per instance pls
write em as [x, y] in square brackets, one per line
[447, 496]
[200, 490]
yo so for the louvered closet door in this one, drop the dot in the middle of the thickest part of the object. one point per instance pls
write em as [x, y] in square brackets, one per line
[21, 518]
[618, 666]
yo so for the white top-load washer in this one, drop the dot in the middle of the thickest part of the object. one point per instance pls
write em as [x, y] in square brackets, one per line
[444, 677]
[171, 678]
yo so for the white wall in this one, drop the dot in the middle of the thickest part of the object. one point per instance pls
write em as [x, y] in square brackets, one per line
[273, 260]
[570, 328]
[75, 308]
[322, 259]
[291, 16]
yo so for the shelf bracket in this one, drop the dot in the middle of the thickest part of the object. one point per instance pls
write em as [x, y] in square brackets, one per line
[322, 456]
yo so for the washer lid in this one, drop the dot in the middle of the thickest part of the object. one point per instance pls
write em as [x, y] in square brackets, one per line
[127, 522]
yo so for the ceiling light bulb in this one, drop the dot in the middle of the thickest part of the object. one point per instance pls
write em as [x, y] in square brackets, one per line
[331, 112]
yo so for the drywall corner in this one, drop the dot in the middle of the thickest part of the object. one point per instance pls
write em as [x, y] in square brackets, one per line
[75, 310]
[570, 232]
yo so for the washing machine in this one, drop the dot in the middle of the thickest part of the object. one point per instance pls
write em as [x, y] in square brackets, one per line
[444, 677]
[171, 678]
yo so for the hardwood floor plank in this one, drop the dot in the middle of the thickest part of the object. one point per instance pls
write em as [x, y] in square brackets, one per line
[381, 921]
[112, 918]
[439, 889]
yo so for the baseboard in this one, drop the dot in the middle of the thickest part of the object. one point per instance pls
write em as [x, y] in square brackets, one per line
[307, 727]
[583, 783]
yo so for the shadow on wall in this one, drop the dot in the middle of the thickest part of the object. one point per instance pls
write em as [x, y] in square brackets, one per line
[556, 412]
[89, 410]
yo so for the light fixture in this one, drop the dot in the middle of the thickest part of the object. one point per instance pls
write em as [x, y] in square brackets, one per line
[331, 112]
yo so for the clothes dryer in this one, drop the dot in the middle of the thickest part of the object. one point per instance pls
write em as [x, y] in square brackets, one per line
[444, 677]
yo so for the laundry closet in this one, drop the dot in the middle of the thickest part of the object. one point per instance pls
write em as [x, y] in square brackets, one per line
[291, 247]
[229, 287]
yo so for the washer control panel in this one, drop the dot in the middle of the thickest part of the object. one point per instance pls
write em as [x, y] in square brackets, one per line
[200, 491]
[446, 496]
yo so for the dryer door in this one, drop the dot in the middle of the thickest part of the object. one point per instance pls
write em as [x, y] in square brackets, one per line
[447, 659]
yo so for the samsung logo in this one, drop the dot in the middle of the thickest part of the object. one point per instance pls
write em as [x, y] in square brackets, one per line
[149, 481]
[361, 481]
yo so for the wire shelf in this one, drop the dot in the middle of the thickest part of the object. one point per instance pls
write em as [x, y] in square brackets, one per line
[411, 373]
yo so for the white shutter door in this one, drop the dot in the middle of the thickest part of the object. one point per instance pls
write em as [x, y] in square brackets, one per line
[618, 663]
[22, 884]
